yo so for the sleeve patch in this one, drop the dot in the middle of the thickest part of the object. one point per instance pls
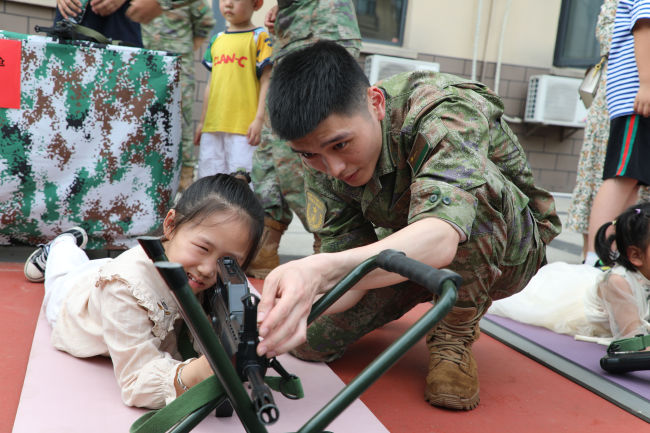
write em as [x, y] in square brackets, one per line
[315, 211]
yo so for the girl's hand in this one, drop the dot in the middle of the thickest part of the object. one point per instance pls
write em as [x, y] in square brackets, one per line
[254, 133]
[69, 8]
[105, 7]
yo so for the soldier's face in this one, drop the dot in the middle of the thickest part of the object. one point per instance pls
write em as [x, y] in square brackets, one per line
[346, 147]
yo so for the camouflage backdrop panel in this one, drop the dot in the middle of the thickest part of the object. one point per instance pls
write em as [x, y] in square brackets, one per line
[96, 143]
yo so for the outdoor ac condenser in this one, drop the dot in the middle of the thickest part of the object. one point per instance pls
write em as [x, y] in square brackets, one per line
[378, 67]
[553, 100]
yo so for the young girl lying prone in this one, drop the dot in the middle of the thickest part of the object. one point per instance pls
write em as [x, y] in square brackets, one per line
[122, 308]
[581, 300]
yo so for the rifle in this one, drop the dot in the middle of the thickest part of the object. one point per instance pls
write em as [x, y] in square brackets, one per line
[69, 30]
[202, 398]
[626, 355]
[232, 310]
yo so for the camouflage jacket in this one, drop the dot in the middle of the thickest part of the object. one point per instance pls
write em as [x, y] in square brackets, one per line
[176, 29]
[446, 153]
[302, 22]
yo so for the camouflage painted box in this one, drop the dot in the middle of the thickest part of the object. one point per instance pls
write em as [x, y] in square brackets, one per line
[95, 142]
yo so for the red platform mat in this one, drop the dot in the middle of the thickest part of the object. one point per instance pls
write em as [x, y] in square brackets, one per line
[517, 394]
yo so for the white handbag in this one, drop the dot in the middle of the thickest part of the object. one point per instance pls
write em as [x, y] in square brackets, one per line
[590, 83]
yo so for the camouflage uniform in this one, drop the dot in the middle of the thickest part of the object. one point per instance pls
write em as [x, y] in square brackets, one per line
[277, 171]
[95, 143]
[175, 31]
[446, 153]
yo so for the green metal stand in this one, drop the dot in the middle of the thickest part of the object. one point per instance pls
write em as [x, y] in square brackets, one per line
[442, 283]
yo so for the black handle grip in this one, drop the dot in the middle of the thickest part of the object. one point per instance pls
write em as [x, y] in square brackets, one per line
[623, 363]
[173, 274]
[418, 272]
[153, 247]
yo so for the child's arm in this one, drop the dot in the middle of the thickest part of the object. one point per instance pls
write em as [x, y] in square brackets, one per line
[641, 33]
[199, 126]
[192, 374]
[255, 128]
[624, 315]
[202, 22]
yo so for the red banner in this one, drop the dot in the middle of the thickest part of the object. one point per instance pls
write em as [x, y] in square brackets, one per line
[10, 73]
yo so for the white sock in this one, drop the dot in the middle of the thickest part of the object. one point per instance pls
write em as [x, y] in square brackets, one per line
[591, 258]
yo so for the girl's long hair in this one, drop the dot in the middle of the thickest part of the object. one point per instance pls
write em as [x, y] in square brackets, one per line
[631, 228]
[222, 193]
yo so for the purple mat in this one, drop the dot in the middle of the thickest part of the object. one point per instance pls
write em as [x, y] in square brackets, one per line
[578, 360]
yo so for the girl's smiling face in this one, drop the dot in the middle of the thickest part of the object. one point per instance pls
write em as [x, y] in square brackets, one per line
[197, 247]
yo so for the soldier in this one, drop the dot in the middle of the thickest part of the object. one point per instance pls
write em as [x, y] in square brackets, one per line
[428, 156]
[183, 31]
[277, 171]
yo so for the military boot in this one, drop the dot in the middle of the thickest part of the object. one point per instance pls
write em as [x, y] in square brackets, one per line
[452, 381]
[267, 257]
[187, 177]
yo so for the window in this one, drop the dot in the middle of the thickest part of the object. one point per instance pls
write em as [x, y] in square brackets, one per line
[576, 44]
[381, 20]
[220, 26]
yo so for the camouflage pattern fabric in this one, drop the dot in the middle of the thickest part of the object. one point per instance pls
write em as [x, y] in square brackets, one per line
[175, 31]
[277, 171]
[446, 153]
[95, 143]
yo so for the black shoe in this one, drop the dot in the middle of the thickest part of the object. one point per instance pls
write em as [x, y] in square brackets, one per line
[35, 265]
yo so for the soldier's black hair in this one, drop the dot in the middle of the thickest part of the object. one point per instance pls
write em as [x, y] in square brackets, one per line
[632, 228]
[310, 84]
[221, 193]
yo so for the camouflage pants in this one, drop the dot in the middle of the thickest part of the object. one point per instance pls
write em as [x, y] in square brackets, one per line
[483, 282]
[188, 85]
[277, 178]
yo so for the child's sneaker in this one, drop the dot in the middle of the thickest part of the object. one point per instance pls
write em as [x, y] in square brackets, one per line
[35, 265]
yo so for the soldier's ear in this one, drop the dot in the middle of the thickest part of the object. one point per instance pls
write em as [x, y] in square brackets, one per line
[376, 102]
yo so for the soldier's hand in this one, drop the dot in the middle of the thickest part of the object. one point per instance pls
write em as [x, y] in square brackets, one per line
[143, 11]
[288, 294]
[105, 7]
[269, 19]
[197, 42]
[69, 8]
[197, 134]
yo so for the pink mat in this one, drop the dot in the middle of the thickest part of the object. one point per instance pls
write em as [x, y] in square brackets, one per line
[62, 393]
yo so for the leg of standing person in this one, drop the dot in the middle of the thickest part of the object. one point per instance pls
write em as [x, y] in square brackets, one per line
[269, 189]
[625, 168]
[240, 154]
[212, 154]
[613, 197]
[188, 86]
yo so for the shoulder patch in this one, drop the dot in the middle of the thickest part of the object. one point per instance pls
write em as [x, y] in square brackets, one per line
[315, 211]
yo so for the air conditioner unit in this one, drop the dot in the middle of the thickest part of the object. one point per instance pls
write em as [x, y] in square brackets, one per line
[379, 67]
[553, 100]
